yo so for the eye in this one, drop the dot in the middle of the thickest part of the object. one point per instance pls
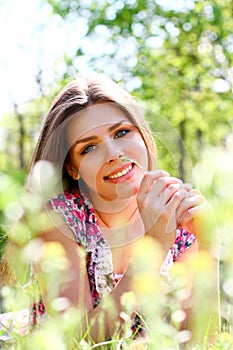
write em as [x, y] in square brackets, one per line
[121, 133]
[88, 149]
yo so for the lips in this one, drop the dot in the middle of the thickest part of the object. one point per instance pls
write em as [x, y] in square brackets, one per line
[119, 173]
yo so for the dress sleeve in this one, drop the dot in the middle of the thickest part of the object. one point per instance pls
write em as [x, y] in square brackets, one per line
[183, 241]
[70, 205]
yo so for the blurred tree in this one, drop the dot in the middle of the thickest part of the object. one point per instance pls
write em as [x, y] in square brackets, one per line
[19, 129]
[21, 135]
[175, 57]
[191, 79]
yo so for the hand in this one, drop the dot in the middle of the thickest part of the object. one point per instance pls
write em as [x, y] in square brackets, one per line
[189, 208]
[195, 215]
[158, 199]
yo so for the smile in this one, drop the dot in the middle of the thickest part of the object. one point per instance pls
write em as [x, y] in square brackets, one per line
[121, 173]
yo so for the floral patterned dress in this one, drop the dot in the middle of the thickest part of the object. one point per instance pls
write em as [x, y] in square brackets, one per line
[79, 214]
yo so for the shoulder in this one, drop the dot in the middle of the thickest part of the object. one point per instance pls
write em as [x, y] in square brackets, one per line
[78, 213]
[69, 198]
[71, 262]
[62, 237]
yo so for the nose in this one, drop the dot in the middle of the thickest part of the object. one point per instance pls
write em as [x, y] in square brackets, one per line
[111, 151]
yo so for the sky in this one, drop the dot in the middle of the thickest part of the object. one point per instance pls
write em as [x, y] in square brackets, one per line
[32, 38]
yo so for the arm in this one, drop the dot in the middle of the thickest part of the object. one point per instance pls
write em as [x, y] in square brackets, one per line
[76, 270]
[109, 316]
[196, 215]
[161, 201]
[202, 302]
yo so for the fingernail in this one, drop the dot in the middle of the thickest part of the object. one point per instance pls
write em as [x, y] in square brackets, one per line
[188, 185]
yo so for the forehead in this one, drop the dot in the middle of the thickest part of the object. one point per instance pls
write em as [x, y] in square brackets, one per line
[94, 119]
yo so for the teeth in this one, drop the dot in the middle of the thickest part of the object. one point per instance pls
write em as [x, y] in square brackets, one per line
[120, 173]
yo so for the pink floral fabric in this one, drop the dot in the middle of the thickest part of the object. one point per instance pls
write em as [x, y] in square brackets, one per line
[79, 214]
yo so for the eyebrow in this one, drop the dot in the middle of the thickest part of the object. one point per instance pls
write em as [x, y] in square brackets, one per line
[94, 137]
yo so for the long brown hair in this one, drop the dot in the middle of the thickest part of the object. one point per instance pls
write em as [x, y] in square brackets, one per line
[76, 96]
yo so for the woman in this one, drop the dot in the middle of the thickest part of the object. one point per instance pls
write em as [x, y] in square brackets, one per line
[111, 199]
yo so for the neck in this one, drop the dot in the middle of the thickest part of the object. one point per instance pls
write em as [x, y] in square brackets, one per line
[114, 216]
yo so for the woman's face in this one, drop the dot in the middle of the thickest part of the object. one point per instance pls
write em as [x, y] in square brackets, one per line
[99, 137]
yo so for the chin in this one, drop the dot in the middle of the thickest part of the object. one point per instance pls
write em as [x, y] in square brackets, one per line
[126, 193]
[119, 192]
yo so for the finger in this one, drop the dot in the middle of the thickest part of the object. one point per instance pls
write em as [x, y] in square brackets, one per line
[171, 189]
[187, 203]
[195, 191]
[152, 186]
[190, 201]
[149, 194]
[187, 186]
[149, 178]
[162, 191]
[176, 199]
[162, 183]
[191, 213]
[171, 208]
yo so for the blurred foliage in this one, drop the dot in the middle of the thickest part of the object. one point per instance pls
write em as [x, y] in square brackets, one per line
[11, 184]
[213, 175]
[176, 59]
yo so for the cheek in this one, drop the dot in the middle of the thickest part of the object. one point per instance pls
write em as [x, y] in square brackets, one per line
[140, 152]
[89, 171]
